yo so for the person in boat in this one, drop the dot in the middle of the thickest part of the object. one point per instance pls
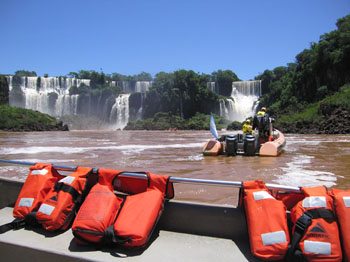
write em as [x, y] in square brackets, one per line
[262, 112]
[261, 122]
[247, 128]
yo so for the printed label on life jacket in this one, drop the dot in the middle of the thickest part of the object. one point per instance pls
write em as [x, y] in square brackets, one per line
[315, 201]
[260, 195]
[274, 238]
[26, 202]
[346, 201]
[40, 172]
[68, 180]
[317, 247]
[46, 209]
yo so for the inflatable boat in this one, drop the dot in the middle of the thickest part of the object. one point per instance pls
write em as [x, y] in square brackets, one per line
[248, 145]
[264, 140]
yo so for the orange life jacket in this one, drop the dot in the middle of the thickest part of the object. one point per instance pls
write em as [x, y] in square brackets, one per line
[315, 231]
[266, 220]
[49, 199]
[63, 200]
[127, 220]
[342, 208]
[40, 180]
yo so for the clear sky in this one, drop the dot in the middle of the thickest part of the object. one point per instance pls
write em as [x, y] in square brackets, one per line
[56, 37]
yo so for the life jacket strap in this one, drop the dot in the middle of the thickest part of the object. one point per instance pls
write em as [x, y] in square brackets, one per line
[109, 237]
[301, 226]
[66, 188]
[16, 224]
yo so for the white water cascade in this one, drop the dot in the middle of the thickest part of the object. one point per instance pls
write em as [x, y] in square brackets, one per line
[119, 116]
[211, 86]
[243, 101]
[132, 86]
[49, 95]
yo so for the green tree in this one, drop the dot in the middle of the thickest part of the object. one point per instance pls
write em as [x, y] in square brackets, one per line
[4, 90]
[224, 80]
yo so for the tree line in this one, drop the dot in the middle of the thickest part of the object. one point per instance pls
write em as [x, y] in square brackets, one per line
[318, 72]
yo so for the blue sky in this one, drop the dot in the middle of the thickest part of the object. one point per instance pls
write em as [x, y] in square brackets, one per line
[56, 37]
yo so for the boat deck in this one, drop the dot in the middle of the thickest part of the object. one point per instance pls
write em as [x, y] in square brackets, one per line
[185, 232]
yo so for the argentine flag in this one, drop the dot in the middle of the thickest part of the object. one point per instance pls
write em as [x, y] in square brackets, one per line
[213, 127]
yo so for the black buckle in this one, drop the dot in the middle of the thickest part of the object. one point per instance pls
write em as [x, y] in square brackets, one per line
[303, 223]
[18, 224]
[58, 186]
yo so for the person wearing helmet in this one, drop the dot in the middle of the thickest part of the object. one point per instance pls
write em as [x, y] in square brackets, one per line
[247, 128]
[261, 122]
[262, 112]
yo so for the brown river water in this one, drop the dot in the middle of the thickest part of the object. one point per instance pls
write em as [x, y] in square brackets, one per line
[307, 160]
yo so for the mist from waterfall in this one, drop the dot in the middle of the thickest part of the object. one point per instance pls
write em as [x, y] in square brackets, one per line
[243, 101]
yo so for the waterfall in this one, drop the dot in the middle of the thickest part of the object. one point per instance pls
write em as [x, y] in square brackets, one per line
[243, 101]
[49, 95]
[139, 113]
[142, 86]
[211, 86]
[129, 87]
[119, 116]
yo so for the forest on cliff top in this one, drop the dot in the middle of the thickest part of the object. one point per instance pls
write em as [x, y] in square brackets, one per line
[311, 90]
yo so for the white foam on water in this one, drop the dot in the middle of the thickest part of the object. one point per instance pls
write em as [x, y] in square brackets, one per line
[198, 157]
[132, 149]
[42, 149]
[304, 142]
[296, 174]
[35, 160]
[91, 155]
[126, 149]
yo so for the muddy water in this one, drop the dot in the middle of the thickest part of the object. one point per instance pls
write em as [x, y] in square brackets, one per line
[307, 160]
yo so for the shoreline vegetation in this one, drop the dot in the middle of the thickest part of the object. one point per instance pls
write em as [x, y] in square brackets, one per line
[15, 119]
[310, 95]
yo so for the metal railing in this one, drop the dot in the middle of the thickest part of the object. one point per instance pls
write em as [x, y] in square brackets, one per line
[172, 178]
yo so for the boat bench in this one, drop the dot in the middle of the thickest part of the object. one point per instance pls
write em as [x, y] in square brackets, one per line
[185, 232]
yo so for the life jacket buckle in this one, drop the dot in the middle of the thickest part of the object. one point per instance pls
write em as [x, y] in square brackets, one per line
[303, 223]
[58, 186]
[17, 224]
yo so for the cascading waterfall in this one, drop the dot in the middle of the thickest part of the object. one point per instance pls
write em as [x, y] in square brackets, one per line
[119, 116]
[129, 87]
[211, 86]
[243, 101]
[49, 95]
[140, 111]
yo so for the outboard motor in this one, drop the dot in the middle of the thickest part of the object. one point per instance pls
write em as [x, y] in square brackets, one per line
[231, 145]
[249, 145]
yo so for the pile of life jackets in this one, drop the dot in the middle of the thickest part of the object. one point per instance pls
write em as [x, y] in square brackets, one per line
[88, 202]
[310, 225]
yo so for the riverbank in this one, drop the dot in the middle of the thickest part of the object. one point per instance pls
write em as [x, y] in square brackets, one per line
[328, 116]
[16, 119]
[337, 122]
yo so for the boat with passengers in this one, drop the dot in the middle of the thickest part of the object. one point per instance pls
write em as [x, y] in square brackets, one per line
[263, 141]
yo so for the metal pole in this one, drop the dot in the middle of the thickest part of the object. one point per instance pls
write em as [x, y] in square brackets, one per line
[172, 179]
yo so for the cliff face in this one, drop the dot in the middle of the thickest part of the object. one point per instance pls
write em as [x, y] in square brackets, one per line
[335, 121]
[4, 91]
